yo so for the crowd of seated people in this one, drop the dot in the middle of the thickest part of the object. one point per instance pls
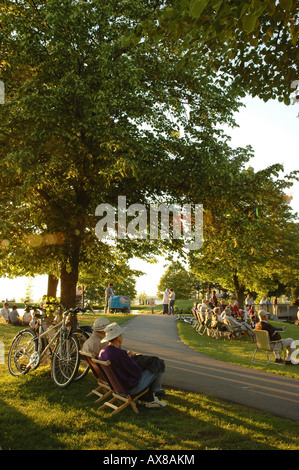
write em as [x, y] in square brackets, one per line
[223, 319]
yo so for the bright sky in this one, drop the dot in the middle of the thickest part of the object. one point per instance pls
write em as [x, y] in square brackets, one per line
[270, 128]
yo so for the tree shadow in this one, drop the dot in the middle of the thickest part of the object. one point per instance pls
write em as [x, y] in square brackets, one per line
[17, 431]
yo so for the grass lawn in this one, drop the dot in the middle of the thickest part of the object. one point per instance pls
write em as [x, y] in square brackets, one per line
[36, 415]
[237, 351]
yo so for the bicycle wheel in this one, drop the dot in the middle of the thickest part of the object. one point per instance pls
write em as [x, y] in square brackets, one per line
[83, 367]
[65, 361]
[23, 355]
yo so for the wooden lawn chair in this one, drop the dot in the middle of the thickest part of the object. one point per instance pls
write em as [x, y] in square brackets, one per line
[263, 343]
[121, 398]
[195, 323]
[202, 324]
[103, 390]
[234, 329]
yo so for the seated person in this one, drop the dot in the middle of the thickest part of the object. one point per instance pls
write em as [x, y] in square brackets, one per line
[27, 317]
[274, 336]
[222, 305]
[93, 344]
[229, 320]
[14, 317]
[208, 315]
[245, 316]
[202, 309]
[235, 309]
[5, 311]
[217, 321]
[253, 316]
[129, 372]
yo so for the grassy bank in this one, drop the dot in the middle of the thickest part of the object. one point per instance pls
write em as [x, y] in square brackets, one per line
[36, 415]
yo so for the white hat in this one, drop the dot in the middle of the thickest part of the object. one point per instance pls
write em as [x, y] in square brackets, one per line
[100, 324]
[112, 331]
[263, 313]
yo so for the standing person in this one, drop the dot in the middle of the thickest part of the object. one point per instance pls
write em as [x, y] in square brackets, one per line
[248, 302]
[214, 299]
[108, 293]
[5, 311]
[262, 303]
[172, 300]
[275, 307]
[166, 301]
[79, 295]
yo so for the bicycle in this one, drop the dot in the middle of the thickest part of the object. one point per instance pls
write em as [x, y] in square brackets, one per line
[30, 346]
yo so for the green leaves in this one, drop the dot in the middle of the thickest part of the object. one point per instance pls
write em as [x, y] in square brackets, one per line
[249, 22]
[286, 4]
[197, 7]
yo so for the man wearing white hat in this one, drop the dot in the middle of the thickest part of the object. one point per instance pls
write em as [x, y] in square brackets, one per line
[94, 344]
[130, 374]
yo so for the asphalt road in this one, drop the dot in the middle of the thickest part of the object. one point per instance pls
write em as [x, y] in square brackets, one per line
[191, 371]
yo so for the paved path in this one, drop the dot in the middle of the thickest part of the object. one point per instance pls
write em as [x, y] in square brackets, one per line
[191, 371]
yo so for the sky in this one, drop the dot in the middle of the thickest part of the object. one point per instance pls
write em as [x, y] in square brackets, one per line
[272, 130]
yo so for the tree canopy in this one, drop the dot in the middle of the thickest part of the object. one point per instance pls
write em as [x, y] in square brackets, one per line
[179, 279]
[89, 117]
[250, 236]
[255, 41]
[114, 98]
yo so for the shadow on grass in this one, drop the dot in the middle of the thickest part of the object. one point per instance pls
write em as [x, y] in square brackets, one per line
[20, 432]
[38, 415]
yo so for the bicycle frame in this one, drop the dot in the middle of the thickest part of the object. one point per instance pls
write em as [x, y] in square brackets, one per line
[60, 327]
[41, 334]
[62, 345]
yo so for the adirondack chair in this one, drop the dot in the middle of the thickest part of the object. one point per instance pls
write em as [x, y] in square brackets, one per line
[103, 390]
[120, 397]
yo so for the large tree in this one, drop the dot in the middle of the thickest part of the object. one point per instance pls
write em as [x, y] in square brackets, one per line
[256, 41]
[177, 277]
[250, 236]
[89, 116]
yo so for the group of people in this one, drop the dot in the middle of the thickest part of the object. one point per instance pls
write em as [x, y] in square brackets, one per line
[222, 317]
[249, 315]
[250, 321]
[168, 301]
[135, 371]
[13, 317]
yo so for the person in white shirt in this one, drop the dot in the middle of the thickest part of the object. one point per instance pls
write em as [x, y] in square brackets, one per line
[165, 301]
[5, 311]
[172, 300]
[27, 317]
[248, 301]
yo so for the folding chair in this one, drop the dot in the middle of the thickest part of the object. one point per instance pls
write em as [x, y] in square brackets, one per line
[103, 390]
[119, 393]
[263, 343]
[233, 329]
[209, 322]
[202, 324]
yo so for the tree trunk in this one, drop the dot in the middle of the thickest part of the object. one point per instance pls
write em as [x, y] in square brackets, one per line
[52, 286]
[69, 279]
[239, 290]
